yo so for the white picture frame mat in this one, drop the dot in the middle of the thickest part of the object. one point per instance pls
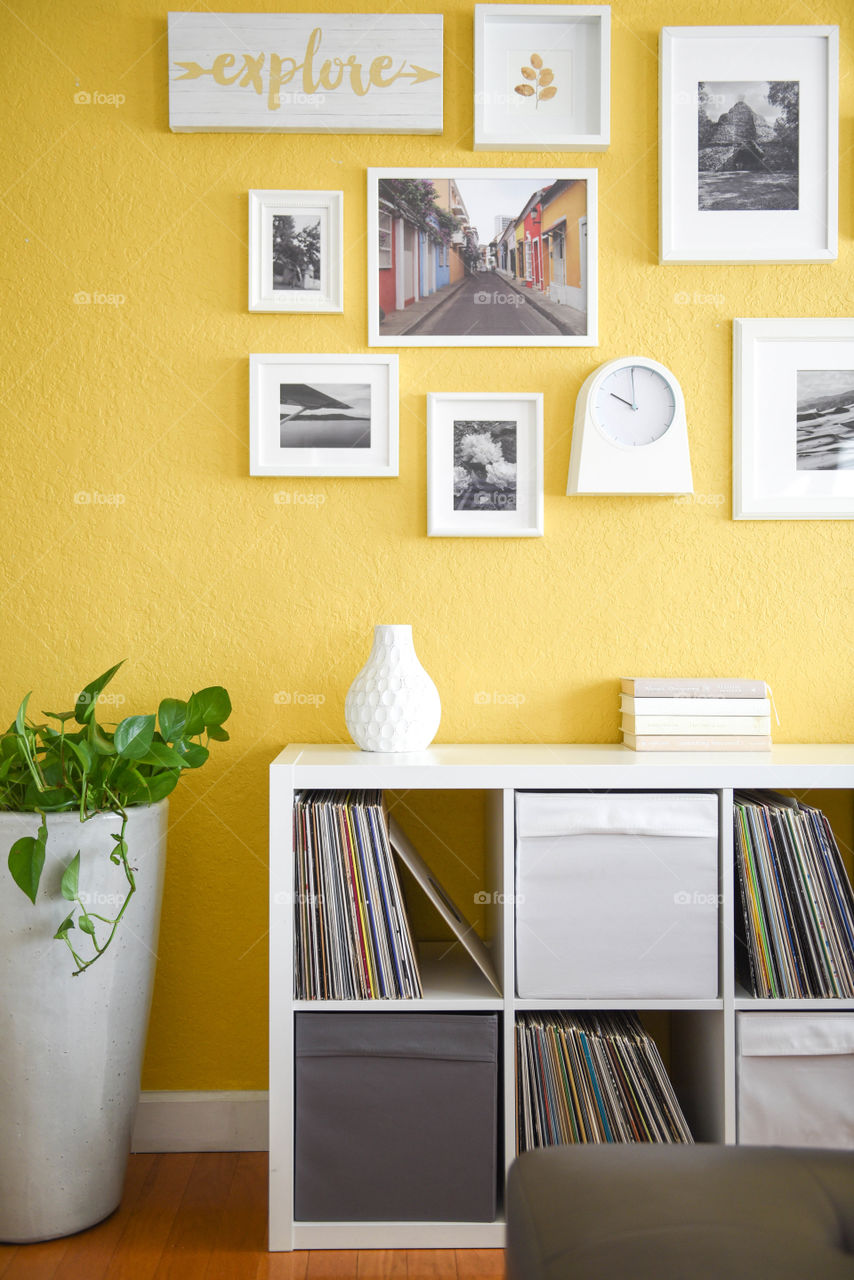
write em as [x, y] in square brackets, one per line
[769, 467]
[267, 374]
[446, 409]
[575, 109]
[748, 54]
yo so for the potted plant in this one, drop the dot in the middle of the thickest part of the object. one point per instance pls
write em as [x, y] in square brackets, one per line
[83, 816]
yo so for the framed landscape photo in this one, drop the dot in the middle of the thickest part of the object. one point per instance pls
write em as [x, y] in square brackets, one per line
[749, 144]
[482, 257]
[793, 419]
[323, 415]
[542, 77]
[296, 251]
[485, 465]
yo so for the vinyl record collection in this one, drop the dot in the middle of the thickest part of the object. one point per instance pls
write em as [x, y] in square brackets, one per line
[797, 901]
[591, 1077]
[351, 933]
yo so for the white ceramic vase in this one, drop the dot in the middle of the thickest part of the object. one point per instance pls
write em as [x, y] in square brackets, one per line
[392, 705]
[71, 1047]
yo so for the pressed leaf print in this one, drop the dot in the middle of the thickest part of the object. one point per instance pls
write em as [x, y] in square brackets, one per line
[543, 86]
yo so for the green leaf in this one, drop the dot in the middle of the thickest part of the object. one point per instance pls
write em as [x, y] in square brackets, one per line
[104, 745]
[83, 753]
[86, 925]
[68, 923]
[59, 715]
[193, 754]
[51, 799]
[134, 736]
[218, 734]
[26, 861]
[84, 708]
[172, 715]
[21, 717]
[160, 786]
[70, 878]
[163, 756]
[205, 708]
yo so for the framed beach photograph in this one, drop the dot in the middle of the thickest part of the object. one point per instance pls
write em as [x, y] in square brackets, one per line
[323, 415]
[542, 77]
[793, 419]
[484, 465]
[296, 251]
[482, 257]
[749, 144]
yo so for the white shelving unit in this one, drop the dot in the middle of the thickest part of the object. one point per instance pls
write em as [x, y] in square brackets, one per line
[702, 1031]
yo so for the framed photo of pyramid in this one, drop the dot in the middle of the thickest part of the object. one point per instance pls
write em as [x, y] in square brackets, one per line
[749, 144]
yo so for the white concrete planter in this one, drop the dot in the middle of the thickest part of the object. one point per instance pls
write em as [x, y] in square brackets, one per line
[71, 1048]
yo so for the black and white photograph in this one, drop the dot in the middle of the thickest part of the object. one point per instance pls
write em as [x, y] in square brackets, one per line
[825, 432]
[747, 144]
[485, 466]
[325, 415]
[296, 251]
[482, 257]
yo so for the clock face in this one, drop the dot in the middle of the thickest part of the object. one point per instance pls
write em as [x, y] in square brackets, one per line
[634, 406]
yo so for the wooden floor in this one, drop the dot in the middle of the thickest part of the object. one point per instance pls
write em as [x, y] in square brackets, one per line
[204, 1217]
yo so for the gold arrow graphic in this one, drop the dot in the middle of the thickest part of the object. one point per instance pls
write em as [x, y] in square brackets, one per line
[192, 71]
[417, 74]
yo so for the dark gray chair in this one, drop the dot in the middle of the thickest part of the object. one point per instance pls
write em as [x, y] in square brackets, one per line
[681, 1213]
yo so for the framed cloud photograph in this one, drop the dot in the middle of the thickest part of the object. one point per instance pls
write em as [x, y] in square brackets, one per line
[484, 465]
[296, 251]
[749, 144]
[542, 77]
[323, 415]
[793, 419]
[482, 257]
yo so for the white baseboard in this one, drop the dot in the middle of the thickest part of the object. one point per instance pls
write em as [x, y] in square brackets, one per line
[228, 1121]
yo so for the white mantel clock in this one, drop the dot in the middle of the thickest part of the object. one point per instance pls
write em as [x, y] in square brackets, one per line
[630, 433]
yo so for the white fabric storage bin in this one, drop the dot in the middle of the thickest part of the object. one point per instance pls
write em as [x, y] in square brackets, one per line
[796, 1079]
[616, 895]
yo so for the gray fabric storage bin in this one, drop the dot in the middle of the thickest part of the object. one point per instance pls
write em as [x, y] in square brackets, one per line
[616, 895]
[396, 1117]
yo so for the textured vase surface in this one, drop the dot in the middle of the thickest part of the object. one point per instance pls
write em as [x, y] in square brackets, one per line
[392, 705]
[71, 1048]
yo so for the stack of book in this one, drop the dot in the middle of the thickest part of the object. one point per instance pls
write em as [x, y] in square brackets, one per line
[797, 902]
[591, 1077]
[695, 715]
[351, 933]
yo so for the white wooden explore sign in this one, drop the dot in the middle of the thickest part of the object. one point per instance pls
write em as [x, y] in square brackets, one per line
[305, 72]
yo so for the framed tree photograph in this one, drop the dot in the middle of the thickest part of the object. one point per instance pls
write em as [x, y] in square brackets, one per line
[323, 415]
[793, 419]
[542, 77]
[296, 251]
[484, 465]
[749, 144]
[482, 257]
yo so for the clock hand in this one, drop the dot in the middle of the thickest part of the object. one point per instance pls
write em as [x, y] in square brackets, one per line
[622, 401]
[634, 396]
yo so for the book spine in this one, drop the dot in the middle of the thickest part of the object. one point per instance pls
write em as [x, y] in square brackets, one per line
[732, 725]
[696, 742]
[695, 706]
[654, 687]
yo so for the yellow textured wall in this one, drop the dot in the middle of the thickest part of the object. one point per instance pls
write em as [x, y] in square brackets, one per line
[199, 576]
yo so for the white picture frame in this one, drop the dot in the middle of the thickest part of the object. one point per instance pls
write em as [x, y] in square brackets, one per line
[749, 149]
[573, 44]
[793, 419]
[323, 415]
[500, 496]
[441, 275]
[300, 271]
